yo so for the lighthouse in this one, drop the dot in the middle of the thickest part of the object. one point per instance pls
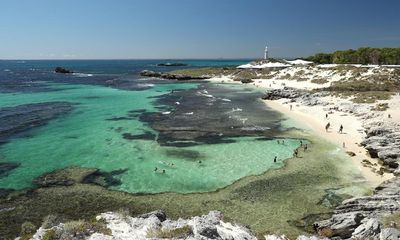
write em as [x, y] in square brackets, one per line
[266, 53]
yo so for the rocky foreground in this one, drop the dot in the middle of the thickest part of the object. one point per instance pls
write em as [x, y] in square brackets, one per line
[153, 225]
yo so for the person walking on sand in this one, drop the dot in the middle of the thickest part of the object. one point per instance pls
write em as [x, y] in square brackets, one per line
[326, 116]
[327, 126]
[341, 129]
[296, 153]
[291, 107]
[275, 158]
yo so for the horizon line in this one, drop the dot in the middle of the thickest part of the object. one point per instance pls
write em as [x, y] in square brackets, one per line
[105, 59]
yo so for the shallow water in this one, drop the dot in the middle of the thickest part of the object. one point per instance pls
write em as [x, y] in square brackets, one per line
[86, 137]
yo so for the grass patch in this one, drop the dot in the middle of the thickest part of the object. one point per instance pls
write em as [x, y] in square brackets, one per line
[182, 232]
[380, 107]
[365, 97]
[224, 71]
[319, 80]
[392, 220]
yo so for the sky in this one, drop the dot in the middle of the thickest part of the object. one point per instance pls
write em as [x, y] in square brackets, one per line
[160, 29]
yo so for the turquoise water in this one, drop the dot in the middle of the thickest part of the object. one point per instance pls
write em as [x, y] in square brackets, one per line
[85, 138]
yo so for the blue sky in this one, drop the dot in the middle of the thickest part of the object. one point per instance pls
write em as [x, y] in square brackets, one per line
[106, 29]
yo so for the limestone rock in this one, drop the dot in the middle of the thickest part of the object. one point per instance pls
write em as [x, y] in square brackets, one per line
[389, 234]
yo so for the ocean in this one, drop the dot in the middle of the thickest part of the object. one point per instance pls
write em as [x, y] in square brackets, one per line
[110, 126]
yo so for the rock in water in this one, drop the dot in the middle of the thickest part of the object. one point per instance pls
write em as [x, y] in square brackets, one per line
[62, 70]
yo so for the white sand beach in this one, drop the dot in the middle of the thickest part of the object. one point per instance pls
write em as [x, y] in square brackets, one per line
[340, 112]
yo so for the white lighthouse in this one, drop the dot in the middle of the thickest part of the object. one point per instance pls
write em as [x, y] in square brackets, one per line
[266, 53]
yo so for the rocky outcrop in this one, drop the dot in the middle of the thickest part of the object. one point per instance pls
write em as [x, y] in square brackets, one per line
[62, 70]
[153, 225]
[361, 217]
[383, 142]
[286, 92]
[246, 80]
[170, 76]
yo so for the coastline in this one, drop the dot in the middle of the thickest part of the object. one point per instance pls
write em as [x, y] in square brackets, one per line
[313, 118]
[350, 137]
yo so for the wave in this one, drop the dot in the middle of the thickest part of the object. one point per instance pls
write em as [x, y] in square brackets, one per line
[83, 74]
[145, 85]
[236, 110]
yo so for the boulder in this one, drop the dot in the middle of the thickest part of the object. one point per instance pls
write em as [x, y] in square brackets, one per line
[246, 80]
[370, 228]
[62, 70]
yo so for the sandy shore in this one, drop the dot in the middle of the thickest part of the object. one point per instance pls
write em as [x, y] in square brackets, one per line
[314, 118]
[351, 137]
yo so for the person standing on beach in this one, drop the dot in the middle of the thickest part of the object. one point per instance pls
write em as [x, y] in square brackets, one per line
[341, 129]
[291, 107]
[326, 116]
[296, 153]
[327, 126]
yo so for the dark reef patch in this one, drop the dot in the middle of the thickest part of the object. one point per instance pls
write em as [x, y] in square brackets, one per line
[6, 167]
[104, 179]
[144, 136]
[184, 154]
[14, 121]
[210, 114]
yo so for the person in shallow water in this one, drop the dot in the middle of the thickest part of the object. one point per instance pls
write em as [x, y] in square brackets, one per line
[155, 169]
[275, 158]
[305, 147]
